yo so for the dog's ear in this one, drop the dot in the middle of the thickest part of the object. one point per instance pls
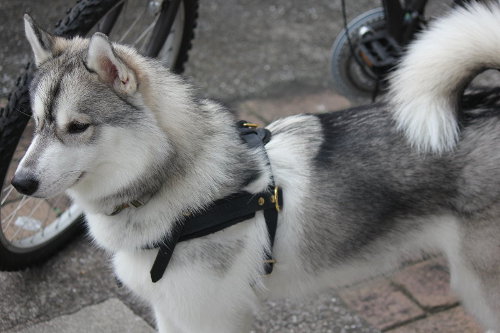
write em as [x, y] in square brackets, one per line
[41, 41]
[102, 59]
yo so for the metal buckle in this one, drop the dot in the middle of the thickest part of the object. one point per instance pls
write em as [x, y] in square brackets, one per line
[268, 261]
[119, 208]
[134, 203]
[275, 199]
[251, 125]
[137, 203]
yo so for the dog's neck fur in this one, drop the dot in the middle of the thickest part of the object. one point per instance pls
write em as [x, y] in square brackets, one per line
[207, 160]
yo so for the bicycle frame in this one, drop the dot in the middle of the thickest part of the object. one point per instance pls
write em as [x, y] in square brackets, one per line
[402, 22]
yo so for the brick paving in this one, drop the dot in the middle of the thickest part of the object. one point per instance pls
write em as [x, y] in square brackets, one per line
[428, 284]
[417, 298]
[414, 299]
[454, 320]
[381, 304]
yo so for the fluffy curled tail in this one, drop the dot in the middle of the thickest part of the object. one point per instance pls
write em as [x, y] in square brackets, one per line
[425, 88]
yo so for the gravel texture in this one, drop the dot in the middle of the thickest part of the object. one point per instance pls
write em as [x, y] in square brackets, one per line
[242, 48]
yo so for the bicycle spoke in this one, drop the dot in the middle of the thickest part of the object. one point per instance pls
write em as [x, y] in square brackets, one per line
[35, 208]
[132, 26]
[10, 188]
[144, 33]
[11, 216]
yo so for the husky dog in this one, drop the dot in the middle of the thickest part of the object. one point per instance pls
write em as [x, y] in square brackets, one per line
[364, 189]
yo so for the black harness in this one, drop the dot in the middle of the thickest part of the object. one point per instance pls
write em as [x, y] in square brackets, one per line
[226, 212]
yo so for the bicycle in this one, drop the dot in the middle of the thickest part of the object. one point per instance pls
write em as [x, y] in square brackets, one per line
[369, 46]
[31, 230]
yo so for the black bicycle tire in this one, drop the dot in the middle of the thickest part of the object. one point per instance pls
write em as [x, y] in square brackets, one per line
[16, 114]
[190, 22]
[341, 56]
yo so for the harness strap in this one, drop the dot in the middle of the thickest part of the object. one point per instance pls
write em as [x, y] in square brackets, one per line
[165, 253]
[224, 213]
[255, 137]
[271, 217]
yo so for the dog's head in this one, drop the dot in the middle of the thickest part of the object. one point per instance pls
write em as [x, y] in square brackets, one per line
[93, 127]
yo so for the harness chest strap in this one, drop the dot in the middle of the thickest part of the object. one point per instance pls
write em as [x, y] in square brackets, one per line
[222, 214]
[226, 212]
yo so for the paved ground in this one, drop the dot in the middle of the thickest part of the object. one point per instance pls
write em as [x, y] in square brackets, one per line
[101, 317]
[242, 48]
[267, 60]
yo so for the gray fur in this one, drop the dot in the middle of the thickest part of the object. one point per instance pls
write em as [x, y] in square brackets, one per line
[68, 72]
[369, 185]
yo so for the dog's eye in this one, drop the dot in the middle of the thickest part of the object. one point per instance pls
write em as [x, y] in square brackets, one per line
[76, 127]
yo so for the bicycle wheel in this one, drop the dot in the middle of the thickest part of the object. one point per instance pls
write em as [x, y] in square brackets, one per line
[33, 229]
[350, 79]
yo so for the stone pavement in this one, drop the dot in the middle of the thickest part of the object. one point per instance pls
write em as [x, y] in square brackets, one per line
[415, 299]
[111, 316]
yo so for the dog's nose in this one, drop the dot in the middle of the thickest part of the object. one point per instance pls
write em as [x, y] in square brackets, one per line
[25, 183]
